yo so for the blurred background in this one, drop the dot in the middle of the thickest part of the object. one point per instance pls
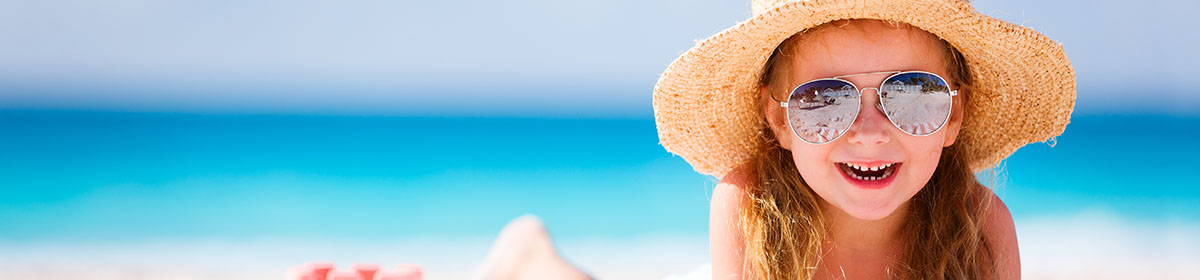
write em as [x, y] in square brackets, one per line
[232, 139]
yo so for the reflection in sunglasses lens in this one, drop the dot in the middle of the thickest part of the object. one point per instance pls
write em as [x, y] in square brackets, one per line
[918, 103]
[820, 111]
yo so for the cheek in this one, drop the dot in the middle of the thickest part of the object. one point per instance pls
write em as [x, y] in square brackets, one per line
[814, 165]
[924, 153]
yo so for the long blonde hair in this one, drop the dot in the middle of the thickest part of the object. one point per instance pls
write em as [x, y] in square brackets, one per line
[784, 226]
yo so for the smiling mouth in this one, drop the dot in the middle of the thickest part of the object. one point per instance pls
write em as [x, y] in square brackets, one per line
[868, 172]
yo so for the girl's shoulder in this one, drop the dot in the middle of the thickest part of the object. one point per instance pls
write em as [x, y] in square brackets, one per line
[730, 192]
[995, 216]
[1000, 232]
[726, 241]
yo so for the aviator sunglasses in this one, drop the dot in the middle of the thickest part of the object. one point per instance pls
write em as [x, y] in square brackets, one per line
[822, 110]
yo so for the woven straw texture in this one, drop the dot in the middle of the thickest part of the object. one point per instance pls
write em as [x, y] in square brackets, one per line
[706, 103]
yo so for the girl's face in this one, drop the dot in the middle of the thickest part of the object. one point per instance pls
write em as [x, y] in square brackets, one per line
[860, 47]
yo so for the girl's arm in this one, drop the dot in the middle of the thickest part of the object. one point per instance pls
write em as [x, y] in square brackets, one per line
[726, 244]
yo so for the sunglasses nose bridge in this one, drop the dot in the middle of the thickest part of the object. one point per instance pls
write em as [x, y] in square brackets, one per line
[863, 93]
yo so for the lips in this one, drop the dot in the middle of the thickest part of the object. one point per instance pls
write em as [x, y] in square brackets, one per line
[869, 175]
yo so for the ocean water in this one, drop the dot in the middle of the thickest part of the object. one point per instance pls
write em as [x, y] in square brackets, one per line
[120, 176]
[130, 176]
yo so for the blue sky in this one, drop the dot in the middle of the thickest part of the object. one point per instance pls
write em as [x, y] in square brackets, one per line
[479, 57]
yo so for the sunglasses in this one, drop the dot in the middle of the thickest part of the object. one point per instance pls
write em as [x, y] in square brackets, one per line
[822, 110]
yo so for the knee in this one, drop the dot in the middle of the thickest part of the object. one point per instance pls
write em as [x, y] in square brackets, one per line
[526, 227]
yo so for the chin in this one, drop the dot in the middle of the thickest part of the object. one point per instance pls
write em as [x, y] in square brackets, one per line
[868, 212]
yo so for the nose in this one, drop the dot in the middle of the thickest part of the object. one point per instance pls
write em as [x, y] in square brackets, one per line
[871, 126]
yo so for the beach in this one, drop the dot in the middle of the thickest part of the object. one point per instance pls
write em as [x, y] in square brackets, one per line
[188, 196]
[1092, 245]
[440, 258]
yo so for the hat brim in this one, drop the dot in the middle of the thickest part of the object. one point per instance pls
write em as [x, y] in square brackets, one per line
[706, 102]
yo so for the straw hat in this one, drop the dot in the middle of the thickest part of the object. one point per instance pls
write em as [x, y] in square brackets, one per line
[706, 102]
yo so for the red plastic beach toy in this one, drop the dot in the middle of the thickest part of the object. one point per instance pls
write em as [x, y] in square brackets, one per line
[361, 271]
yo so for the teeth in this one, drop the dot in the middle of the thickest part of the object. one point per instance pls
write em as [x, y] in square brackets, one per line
[887, 172]
[874, 168]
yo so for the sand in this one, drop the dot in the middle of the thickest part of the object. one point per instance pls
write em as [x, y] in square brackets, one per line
[1090, 245]
[441, 258]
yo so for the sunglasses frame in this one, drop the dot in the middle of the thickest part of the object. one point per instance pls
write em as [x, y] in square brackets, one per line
[878, 105]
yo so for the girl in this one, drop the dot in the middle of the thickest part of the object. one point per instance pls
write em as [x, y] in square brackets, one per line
[846, 134]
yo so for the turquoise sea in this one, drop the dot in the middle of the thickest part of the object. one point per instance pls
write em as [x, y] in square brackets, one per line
[122, 176]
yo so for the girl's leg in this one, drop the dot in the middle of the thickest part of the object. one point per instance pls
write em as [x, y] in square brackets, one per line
[524, 251]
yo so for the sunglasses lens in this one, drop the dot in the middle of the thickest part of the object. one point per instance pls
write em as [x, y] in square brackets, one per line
[820, 111]
[918, 103]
